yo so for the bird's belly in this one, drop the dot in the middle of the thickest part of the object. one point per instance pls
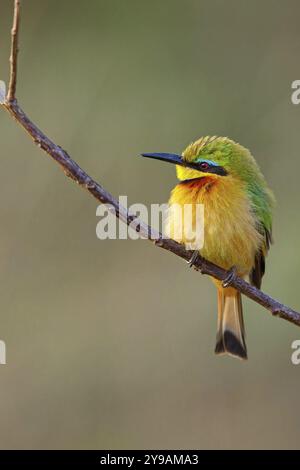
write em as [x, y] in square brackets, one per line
[230, 234]
[228, 242]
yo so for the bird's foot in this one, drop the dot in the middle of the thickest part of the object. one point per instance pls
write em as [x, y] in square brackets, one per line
[191, 262]
[231, 276]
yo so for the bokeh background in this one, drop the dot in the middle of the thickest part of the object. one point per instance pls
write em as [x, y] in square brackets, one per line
[110, 343]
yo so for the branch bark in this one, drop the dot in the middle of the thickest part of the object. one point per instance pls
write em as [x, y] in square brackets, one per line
[75, 172]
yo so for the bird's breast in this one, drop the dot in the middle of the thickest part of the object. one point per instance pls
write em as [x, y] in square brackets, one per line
[230, 234]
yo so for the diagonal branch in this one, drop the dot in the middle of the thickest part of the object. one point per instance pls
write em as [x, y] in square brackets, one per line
[74, 171]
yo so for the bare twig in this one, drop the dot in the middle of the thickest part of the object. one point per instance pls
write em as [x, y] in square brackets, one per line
[73, 170]
[11, 93]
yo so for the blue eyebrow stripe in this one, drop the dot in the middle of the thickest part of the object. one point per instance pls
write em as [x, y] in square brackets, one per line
[210, 162]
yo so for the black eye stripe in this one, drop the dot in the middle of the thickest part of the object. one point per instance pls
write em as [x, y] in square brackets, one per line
[209, 168]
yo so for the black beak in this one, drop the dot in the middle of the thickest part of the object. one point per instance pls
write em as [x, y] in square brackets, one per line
[171, 158]
[178, 160]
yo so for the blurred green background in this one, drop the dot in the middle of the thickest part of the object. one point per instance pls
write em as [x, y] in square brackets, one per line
[110, 343]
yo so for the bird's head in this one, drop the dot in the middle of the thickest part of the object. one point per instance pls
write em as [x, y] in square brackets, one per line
[217, 157]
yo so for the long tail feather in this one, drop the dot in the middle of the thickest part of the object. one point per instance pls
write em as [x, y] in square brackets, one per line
[231, 331]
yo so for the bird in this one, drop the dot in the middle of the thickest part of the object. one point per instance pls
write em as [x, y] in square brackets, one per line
[238, 206]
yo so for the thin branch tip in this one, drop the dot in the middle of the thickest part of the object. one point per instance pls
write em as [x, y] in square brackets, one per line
[11, 93]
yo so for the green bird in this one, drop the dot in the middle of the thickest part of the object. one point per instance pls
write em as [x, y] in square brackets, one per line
[223, 176]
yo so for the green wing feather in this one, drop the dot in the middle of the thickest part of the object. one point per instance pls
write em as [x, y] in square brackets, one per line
[262, 203]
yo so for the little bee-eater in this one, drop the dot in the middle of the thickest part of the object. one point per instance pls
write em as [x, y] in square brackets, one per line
[223, 176]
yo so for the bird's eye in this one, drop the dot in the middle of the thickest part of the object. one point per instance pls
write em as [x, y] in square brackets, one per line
[204, 166]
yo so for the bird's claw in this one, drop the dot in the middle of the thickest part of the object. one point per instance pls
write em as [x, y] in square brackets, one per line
[231, 276]
[193, 259]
